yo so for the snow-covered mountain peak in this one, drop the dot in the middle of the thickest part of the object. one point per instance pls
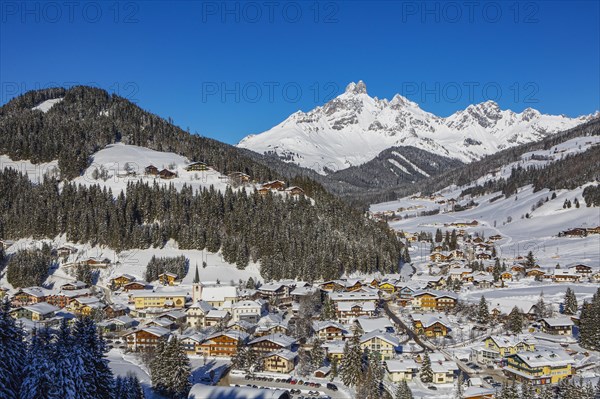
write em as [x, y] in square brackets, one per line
[354, 128]
[356, 88]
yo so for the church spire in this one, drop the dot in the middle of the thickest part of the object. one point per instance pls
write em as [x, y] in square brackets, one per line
[197, 276]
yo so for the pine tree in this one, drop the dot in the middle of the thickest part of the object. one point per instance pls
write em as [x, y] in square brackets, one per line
[317, 354]
[426, 373]
[39, 371]
[438, 235]
[529, 260]
[570, 302]
[515, 321]
[171, 371]
[370, 382]
[328, 310]
[541, 309]
[351, 364]
[70, 378]
[527, 391]
[334, 369]
[403, 391]
[483, 312]
[589, 323]
[546, 392]
[92, 349]
[12, 351]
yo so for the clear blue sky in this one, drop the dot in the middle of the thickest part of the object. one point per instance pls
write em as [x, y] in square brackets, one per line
[226, 70]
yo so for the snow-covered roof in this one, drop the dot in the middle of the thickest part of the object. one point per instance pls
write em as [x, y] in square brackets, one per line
[347, 306]
[558, 321]
[218, 293]
[320, 325]
[395, 341]
[235, 334]
[204, 306]
[371, 324]
[277, 338]
[248, 304]
[283, 353]
[403, 365]
[42, 308]
[353, 296]
[541, 357]
[217, 314]
[427, 320]
[446, 366]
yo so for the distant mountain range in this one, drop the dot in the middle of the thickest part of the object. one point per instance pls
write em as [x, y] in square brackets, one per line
[355, 128]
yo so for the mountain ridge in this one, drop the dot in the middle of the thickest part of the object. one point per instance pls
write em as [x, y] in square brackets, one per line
[354, 128]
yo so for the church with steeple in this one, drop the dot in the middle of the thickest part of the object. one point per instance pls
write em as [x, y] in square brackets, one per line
[196, 287]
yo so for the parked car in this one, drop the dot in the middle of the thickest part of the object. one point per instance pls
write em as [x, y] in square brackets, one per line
[331, 386]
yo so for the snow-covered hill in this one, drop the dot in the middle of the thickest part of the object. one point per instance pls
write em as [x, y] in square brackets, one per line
[115, 159]
[109, 169]
[354, 128]
[528, 220]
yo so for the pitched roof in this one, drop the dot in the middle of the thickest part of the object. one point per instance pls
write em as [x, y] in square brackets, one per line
[395, 341]
[277, 338]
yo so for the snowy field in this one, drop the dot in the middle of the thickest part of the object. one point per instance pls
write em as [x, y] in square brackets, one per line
[116, 158]
[134, 262]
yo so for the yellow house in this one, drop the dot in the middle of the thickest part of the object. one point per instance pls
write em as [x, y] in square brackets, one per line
[540, 367]
[509, 345]
[160, 299]
[424, 300]
[167, 278]
[383, 343]
[431, 325]
[387, 287]
[121, 280]
[85, 305]
[281, 361]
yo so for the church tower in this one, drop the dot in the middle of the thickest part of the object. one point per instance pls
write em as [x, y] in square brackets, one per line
[196, 287]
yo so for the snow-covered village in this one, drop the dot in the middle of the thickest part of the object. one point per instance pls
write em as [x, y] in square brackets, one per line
[176, 224]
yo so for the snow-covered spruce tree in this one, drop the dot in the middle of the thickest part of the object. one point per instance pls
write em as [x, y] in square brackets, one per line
[570, 302]
[514, 323]
[351, 364]
[483, 312]
[403, 391]
[527, 391]
[529, 260]
[369, 386]
[170, 370]
[239, 360]
[70, 379]
[92, 349]
[426, 373]
[328, 310]
[317, 354]
[589, 323]
[546, 392]
[128, 387]
[39, 371]
[12, 353]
